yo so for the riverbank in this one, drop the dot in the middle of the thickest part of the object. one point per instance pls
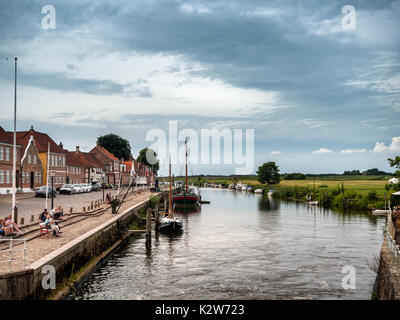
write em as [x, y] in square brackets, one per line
[366, 193]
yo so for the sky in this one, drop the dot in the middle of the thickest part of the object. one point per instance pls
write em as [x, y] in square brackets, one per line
[320, 98]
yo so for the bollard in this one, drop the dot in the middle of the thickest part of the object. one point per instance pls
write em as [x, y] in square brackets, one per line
[91, 205]
[70, 210]
[88, 208]
[84, 209]
[32, 218]
[22, 221]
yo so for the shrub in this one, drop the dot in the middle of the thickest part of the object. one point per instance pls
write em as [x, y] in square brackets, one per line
[372, 196]
[153, 201]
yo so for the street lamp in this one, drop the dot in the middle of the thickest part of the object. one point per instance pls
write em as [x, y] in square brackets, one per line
[103, 176]
[52, 174]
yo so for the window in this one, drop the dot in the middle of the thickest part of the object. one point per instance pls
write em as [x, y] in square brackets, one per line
[34, 159]
[63, 158]
[27, 177]
[7, 154]
[59, 161]
[8, 176]
[2, 176]
[2, 154]
[23, 176]
[29, 158]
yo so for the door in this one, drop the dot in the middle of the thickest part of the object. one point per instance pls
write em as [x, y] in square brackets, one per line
[32, 180]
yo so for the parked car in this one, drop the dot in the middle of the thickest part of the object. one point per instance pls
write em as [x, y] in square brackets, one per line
[77, 188]
[96, 186]
[41, 192]
[68, 189]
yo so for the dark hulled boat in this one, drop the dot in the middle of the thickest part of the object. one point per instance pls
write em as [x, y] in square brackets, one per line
[190, 196]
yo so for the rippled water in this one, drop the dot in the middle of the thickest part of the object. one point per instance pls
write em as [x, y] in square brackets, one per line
[243, 246]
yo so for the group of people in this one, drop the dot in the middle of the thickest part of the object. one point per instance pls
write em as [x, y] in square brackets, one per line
[8, 226]
[49, 220]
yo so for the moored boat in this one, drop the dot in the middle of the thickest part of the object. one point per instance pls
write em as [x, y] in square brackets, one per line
[312, 203]
[231, 186]
[259, 191]
[169, 223]
[239, 186]
[189, 196]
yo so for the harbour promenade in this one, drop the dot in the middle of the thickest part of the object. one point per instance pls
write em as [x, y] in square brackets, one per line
[85, 235]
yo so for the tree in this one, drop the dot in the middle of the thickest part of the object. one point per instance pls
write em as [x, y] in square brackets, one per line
[396, 164]
[115, 144]
[268, 173]
[148, 157]
[294, 176]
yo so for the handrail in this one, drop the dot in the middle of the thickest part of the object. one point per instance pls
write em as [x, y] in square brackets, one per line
[13, 249]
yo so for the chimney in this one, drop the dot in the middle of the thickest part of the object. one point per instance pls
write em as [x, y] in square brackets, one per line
[77, 149]
[61, 145]
[31, 130]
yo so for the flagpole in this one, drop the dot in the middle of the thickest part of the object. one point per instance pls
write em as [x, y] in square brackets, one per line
[15, 142]
[47, 174]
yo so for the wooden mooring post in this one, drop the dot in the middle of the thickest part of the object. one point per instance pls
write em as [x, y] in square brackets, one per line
[157, 216]
[148, 228]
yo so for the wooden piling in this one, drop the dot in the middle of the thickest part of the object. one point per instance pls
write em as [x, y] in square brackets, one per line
[148, 228]
[32, 218]
[157, 215]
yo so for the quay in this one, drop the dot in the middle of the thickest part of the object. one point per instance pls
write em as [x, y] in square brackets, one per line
[78, 249]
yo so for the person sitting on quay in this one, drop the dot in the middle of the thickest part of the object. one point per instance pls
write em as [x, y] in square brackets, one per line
[2, 233]
[11, 223]
[108, 197]
[54, 228]
[43, 215]
[57, 212]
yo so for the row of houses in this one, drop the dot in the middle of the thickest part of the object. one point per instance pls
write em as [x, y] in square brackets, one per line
[38, 154]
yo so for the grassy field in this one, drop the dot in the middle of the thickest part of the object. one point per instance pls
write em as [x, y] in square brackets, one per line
[360, 184]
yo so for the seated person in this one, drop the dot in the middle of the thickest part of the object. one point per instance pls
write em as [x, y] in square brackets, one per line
[2, 233]
[43, 215]
[54, 227]
[108, 197]
[57, 212]
[11, 223]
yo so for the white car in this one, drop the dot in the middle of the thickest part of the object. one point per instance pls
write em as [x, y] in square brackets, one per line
[84, 187]
[77, 188]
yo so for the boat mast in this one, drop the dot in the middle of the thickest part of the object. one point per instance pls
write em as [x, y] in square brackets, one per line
[170, 192]
[186, 167]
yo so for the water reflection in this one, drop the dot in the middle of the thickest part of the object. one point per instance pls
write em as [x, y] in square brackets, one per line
[245, 246]
[267, 203]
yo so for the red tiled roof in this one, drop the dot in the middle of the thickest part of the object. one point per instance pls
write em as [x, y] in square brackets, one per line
[41, 140]
[5, 136]
[128, 165]
[83, 159]
[107, 153]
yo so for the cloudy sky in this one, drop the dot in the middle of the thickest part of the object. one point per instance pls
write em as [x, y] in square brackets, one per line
[320, 98]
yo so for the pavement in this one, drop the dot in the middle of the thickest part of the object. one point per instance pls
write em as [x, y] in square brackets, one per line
[29, 205]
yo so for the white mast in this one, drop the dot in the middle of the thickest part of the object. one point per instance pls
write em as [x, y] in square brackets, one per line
[14, 185]
[47, 175]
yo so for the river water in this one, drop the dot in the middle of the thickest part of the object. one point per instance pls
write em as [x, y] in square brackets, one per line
[244, 246]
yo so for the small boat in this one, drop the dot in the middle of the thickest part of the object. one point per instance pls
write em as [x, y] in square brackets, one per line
[231, 186]
[169, 223]
[244, 188]
[260, 191]
[312, 203]
[270, 193]
[380, 212]
[239, 186]
[249, 189]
